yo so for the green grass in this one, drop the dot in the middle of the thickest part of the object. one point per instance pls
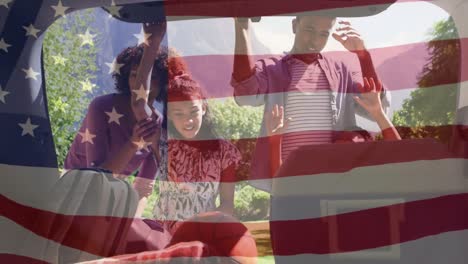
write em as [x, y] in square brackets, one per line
[266, 260]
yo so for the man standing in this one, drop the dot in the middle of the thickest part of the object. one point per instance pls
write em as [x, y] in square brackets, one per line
[315, 91]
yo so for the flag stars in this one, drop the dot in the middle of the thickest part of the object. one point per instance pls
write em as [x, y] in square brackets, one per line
[142, 37]
[142, 144]
[5, 3]
[28, 128]
[60, 9]
[31, 30]
[30, 73]
[87, 137]
[114, 10]
[114, 67]
[3, 94]
[141, 93]
[87, 86]
[58, 59]
[87, 38]
[4, 46]
[114, 116]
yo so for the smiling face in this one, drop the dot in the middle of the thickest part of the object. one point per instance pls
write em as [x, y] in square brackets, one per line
[311, 33]
[186, 117]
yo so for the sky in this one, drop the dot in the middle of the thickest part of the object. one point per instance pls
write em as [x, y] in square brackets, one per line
[401, 23]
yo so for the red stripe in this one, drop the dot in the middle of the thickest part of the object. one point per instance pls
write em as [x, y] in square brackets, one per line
[93, 234]
[371, 228]
[316, 159]
[243, 8]
[86, 233]
[398, 67]
[9, 258]
[359, 230]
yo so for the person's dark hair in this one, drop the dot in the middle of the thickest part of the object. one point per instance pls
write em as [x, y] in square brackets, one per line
[164, 67]
[182, 88]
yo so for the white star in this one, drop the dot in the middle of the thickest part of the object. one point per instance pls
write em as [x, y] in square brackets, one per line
[141, 93]
[114, 116]
[27, 127]
[114, 67]
[5, 3]
[114, 10]
[87, 137]
[31, 30]
[3, 45]
[30, 73]
[142, 144]
[142, 37]
[59, 9]
[59, 60]
[87, 38]
[87, 85]
[3, 94]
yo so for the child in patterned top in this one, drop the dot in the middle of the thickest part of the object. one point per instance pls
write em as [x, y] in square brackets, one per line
[199, 165]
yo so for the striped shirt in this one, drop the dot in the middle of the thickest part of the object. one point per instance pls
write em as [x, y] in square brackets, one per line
[308, 105]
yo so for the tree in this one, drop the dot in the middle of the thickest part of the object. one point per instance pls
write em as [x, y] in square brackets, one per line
[431, 107]
[242, 125]
[70, 68]
[235, 122]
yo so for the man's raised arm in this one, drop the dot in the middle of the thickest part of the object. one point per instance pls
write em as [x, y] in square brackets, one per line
[249, 82]
[243, 64]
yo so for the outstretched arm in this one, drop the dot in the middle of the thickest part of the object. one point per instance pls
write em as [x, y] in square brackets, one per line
[369, 99]
[249, 79]
[154, 35]
[243, 64]
[352, 41]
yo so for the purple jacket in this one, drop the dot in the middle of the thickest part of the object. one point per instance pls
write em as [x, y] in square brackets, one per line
[107, 137]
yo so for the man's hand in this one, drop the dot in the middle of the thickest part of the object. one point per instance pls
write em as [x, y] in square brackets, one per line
[275, 123]
[349, 38]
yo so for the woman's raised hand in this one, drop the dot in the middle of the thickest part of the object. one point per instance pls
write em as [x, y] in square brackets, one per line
[154, 34]
[143, 132]
[369, 97]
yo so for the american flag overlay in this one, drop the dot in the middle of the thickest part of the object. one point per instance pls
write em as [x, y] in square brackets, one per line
[376, 201]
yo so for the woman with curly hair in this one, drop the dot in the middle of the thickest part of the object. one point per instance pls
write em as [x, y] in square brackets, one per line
[121, 131]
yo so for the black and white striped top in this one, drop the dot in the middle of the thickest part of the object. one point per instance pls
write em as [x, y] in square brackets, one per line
[308, 104]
